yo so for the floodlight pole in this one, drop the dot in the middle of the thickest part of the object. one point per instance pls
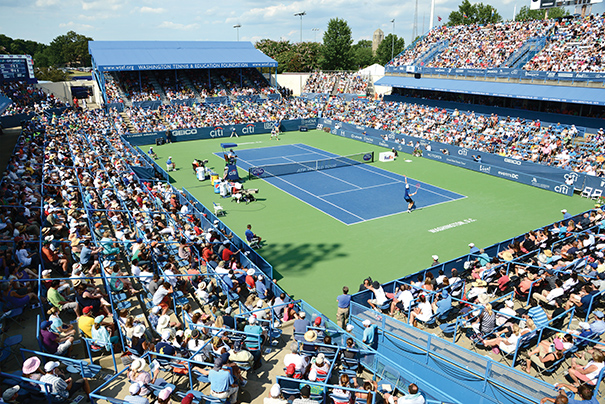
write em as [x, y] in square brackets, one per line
[316, 30]
[237, 27]
[393, 39]
[301, 15]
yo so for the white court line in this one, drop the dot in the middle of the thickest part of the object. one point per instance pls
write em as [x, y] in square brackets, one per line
[328, 175]
[309, 204]
[364, 188]
[362, 167]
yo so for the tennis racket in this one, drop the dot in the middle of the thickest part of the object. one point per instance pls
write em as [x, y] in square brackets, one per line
[417, 186]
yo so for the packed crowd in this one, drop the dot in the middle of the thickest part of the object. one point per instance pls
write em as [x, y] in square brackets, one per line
[111, 89]
[320, 82]
[575, 46]
[27, 98]
[202, 115]
[506, 136]
[474, 46]
[508, 298]
[138, 90]
[174, 88]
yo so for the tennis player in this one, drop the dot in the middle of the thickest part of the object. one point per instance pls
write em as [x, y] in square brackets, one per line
[275, 131]
[408, 197]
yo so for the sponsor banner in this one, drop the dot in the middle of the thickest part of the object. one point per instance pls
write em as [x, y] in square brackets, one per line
[175, 66]
[535, 170]
[561, 183]
[538, 182]
[188, 102]
[180, 135]
[594, 186]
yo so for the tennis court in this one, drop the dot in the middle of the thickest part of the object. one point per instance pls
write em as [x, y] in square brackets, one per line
[350, 194]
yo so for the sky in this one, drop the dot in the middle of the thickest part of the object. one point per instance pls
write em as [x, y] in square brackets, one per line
[110, 20]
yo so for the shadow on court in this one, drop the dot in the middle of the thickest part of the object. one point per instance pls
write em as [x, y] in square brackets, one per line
[299, 257]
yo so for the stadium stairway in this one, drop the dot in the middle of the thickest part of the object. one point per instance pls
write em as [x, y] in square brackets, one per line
[126, 119]
[158, 88]
[189, 85]
[334, 90]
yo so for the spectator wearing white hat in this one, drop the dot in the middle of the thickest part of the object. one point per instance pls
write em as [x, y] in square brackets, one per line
[473, 249]
[369, 333]
[136, 395]
[275, 396]
[435, 260]
[10, 395]
[63, 389]
[137, 374]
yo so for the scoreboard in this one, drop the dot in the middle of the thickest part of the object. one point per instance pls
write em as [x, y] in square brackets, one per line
[16, 68]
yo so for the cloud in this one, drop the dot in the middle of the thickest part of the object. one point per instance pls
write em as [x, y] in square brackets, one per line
[96, 16]
[46, 3]
[151, 10]
[178, 26]
[102, 4]
[76, 26]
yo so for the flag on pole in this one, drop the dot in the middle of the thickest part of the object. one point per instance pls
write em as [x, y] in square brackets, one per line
[492, 12]
[438, 18]
[464, 15]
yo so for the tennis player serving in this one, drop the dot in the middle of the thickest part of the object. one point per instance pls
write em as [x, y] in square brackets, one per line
[408, 197]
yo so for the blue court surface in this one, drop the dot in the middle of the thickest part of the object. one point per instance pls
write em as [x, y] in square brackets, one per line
[351, 194]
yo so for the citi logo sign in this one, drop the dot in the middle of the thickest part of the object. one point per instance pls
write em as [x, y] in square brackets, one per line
[562, 189]
[571, 178]
[248, 129]
[217, 132]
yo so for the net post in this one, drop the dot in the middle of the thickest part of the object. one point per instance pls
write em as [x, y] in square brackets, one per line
[372, 156]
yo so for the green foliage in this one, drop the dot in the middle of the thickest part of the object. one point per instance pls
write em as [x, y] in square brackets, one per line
[50, 74]
[298, 57]
[12, 46]
[70, 50]
[389, 47]
[526, 14]
[478, 13]
[337, 53]
[362, 53]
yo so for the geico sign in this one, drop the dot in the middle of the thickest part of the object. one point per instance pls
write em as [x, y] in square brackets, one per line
[183, 132]
[248, 129]
[217, 133]
[511, 161]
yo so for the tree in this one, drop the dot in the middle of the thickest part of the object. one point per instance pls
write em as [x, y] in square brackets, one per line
[337, 52]
[70, 49]
[526, 14]
[478, 13]
[390, 46]
[299, 57]
[50, 74]
[362, 53]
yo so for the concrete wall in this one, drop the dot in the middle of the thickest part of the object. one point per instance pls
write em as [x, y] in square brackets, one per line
[293, 81]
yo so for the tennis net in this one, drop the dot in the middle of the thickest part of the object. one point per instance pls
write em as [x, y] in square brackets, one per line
[274, 170]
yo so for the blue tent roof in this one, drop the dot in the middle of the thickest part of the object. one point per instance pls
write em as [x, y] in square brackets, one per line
[165, 55]
[577, 95]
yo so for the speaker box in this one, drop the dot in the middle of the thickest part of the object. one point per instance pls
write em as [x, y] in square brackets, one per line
[159, 141]
[417, 75]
